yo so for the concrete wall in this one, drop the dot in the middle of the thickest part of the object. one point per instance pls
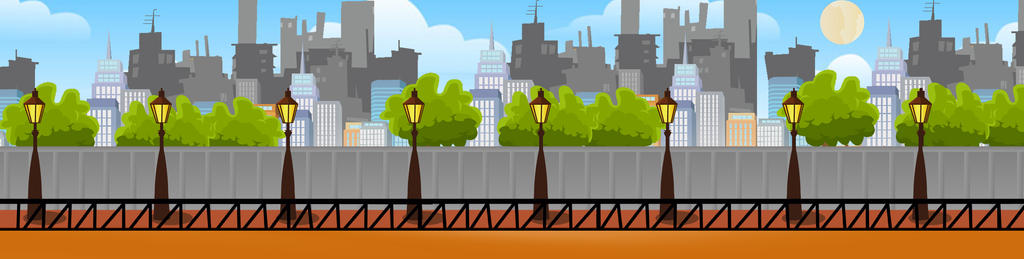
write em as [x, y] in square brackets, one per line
[615, 172]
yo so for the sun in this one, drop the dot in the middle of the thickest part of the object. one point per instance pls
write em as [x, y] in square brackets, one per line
[842, 22]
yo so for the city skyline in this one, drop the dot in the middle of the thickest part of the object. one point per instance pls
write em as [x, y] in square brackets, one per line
[67, 66]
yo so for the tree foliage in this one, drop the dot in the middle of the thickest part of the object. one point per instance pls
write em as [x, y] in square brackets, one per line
[630, 122]
[568, 122]
[248, 126]
[447, 120]
[954, 121]
[64, 123]
[833, 116]
[1007, 127]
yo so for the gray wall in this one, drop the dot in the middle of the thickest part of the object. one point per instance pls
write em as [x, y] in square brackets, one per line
[617, 172]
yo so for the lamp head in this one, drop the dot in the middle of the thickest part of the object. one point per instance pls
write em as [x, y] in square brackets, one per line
[540, 108]
[160, 107]
[666, 108]
[413, 108]
[794, 108]
[286, 107]
[34, 108]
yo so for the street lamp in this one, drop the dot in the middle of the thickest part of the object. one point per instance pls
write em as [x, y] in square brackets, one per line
[540, 108]
[667, 111]
[794, 110]
[34, 110]
[161, 109]
[413, 113]
[920, 108]
[285, 109]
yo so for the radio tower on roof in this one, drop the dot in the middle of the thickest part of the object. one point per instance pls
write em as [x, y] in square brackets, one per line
[152, 21]
[931, 8]
[536, 7]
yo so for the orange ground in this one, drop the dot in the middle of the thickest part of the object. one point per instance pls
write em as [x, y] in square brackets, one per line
[509, 244]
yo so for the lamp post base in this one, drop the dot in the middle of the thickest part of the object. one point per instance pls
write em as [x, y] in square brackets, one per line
[50, 217]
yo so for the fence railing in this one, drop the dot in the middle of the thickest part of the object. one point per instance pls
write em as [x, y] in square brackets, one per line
[513, 214]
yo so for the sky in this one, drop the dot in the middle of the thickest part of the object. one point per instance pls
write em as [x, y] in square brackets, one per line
[67, 37]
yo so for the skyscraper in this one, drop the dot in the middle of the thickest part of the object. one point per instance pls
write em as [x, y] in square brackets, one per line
[207, 82]
[908, 88]
[887, 100]
[632, 79]
[20, 73]
[931, 55]
[304, 90]
[328, 124]
[380, 91]
[710, 119]
[686, 84]
[491, 111]
[8, 97]
[684, 126]
[134, 95]
[302, 130]
[778, 88]
[772, 133]
[248, 88]
[109, 117]
[889, 66]
[787, 72]
[589, 72]
[741, 130]
[152, 67]
[246, 21]
[630, 17]
[110, 79]
[987, 69]
[357, 25]
[535, 58]
[492, 71]
[513, 86]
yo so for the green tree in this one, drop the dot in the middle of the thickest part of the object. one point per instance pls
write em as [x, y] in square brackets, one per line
[568, 121]
[632, 122]
[184, 127]
[447, 120]
[954, 121]
[1007, 127]
[248, 126]
[833, 116]
[64, 123]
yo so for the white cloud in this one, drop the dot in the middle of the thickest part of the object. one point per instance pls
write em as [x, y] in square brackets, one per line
[331, 29]
[32, 20]
[1005, 36]
[851, 65]
[445, 51]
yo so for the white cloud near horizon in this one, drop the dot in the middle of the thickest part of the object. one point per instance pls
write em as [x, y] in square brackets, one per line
[1006, 38]
[851, 65]
[32, 20]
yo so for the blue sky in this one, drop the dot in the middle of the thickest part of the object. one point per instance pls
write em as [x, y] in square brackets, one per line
[68, 36]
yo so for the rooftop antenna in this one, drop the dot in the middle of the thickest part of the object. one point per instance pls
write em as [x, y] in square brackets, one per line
[930, 7]
[151, 21]
[536, 5]
[796, 40]
[108, 45]
[15, 54]
[686, 48]
[888, 35]
[302, 58]
[492, 36]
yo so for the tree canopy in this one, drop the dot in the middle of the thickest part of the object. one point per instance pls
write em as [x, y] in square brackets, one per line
[186, 126]
[833, 116]
[248, 126]
[954, 121]
[448, 118]
[568, 122]
[1007, 127]
[630, 122]
[64, 123]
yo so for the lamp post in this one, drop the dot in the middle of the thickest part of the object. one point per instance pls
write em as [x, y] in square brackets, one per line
[794, 110]
[161, 109]
[413, 112]
[34, 110]
[540, 108]
[286, 109]
[667, 111]
[920, 108]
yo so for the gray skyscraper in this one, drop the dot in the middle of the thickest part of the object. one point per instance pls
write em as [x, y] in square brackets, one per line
[741, 26]
[20, 73]
[208, 82]
[987, 69]
[246, 21]
[931, 55]
[357, 25]
[590, 73]
[152, 67]
[630, 17]
[534, 58]
[787, 72]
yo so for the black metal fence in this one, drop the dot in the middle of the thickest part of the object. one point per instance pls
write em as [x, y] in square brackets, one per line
[513, 214]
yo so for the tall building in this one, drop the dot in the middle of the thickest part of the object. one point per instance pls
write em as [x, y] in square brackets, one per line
[908, 89]
[741, 130]
[302, 130]
[328, 124]
[351, 132]
[1018, 46]
[890, 69]
[207, 82]
[632, 79]
[772, 133]
[710, 119]
[684, 126]
[134, 95]
[109, 117]
[887, 100]
[304, 90]
[630, 17]
[152, 67]
[931, 55]
[535, 58]
[380, 91]
[686, 83]
[248, 88]
[7, 98]
[778, 88]
[589, 72]
[799, 62]
[255, 61]
[246, 21]
[20, 73]
[987, 69]
[357, 25]
[374, 134]
[491, 111]
[110, 79]
[513, 86]
[491, 71]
